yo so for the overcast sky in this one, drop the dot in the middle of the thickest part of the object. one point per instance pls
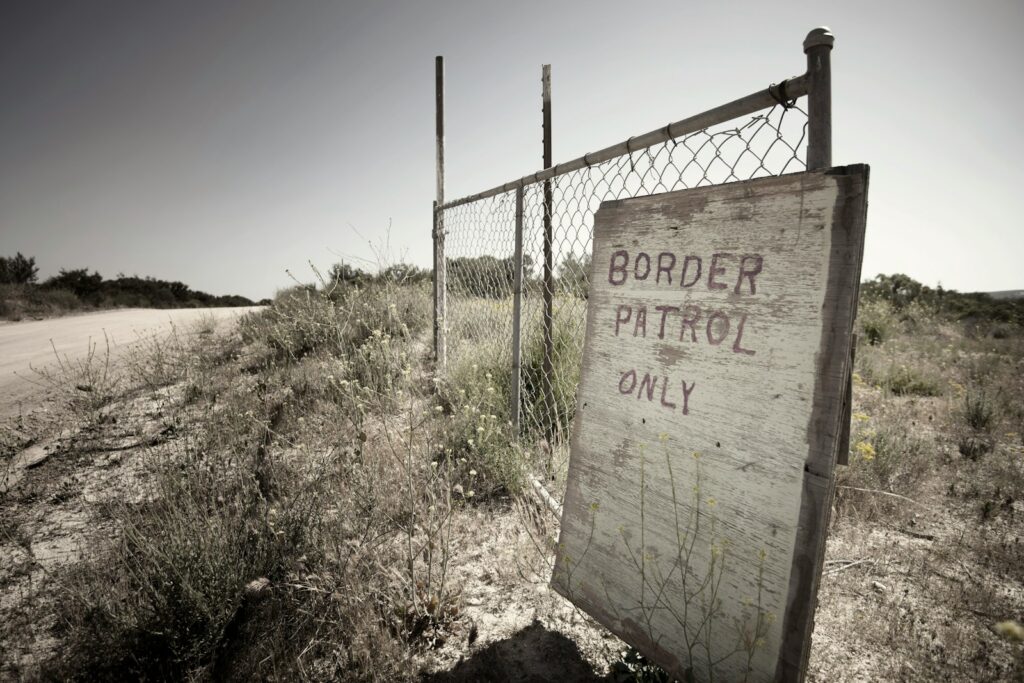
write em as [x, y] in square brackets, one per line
[221, 143]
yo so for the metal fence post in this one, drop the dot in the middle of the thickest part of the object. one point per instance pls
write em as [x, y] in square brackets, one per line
[440, 266]
[818, 48]
[549, 277]
[517, 308]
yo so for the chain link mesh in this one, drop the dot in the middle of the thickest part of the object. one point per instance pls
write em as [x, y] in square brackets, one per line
[480, 248]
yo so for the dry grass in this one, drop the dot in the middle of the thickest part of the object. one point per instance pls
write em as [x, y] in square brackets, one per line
[301, 499]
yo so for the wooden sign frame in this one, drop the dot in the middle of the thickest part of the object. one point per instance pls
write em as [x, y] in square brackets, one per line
[696, 509]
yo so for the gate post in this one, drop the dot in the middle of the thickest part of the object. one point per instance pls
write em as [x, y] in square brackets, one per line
[818, 48]
[549, 278]
[517, 310]
[440, 266]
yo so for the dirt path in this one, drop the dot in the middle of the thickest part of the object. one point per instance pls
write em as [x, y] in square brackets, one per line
[25, 345]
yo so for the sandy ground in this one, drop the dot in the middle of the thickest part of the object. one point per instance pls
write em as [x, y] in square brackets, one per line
[27, 345]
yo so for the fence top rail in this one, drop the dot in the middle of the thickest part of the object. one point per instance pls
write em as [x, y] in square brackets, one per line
[788, 90]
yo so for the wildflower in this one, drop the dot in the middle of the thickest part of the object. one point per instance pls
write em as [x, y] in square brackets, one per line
[438, 409]
[490, 390]
[1010, 630]
[472, 473]
[479, 430]
[865, 450]
[469, 494]
[712, 502]
[433, 463]
[696, 455]
[861, 417]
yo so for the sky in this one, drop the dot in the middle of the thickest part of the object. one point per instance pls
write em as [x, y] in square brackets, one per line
[229, 145]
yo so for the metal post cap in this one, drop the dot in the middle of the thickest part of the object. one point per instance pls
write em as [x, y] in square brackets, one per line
[821, 36]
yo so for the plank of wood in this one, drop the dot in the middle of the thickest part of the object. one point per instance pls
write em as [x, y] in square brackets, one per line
[708, 419]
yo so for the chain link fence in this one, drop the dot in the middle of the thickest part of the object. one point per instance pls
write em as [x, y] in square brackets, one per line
[486, 322]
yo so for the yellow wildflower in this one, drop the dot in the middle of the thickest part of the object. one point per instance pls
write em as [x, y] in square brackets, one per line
[865, 450]
[1010, 630]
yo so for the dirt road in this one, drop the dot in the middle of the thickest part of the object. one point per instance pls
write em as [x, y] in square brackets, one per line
[27, 345]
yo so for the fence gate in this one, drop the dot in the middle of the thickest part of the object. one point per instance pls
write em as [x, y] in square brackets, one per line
[512, 263]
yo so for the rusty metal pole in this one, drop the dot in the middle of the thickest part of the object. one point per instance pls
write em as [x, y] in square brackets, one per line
[440, 267]
[549, 277]
[818, 48]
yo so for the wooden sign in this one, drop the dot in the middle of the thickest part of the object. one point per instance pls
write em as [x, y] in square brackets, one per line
[709, 411]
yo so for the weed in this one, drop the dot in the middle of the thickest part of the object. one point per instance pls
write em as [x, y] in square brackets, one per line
[979, 410]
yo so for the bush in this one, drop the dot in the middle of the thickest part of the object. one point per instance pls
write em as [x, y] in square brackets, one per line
[877, 321]
[904, 380]
[18, 270]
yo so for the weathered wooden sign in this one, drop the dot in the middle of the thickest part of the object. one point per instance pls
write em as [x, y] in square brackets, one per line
[701, 471]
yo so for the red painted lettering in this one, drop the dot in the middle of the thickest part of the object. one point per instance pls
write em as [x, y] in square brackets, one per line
[686, 397]
[623, 308]
[664, 388]
[667, 269]
[650, 383]
[631, 375]
[715, 270]
[736, 348]
[723, 328]
[749, 272]
[646, 266]
[686, 267]
[690, 317]
[665, 310]
[617, 267]
[641, 322]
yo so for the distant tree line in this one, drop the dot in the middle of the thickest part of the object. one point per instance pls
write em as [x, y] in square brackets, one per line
[80, 287]
[398, 273]
[902, 290]
[494, 278]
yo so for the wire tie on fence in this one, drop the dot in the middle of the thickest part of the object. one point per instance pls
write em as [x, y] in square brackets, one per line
[629, 153]
[778, 93]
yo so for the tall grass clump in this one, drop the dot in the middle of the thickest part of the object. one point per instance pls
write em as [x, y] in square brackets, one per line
[549, 399]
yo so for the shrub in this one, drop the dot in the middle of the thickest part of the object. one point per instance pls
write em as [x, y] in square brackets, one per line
[979, 410]
[904, 380]
[477, 436]
[877, 321]
[18, 269]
